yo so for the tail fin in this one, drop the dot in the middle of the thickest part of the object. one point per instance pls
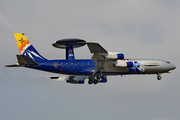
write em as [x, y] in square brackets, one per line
[25, 48]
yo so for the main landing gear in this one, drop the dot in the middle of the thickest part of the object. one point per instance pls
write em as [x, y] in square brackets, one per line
[159, 76]
[91, 81]
[97, 79]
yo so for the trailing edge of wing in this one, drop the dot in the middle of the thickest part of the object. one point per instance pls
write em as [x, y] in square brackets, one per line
[96, 48]
[65, 78]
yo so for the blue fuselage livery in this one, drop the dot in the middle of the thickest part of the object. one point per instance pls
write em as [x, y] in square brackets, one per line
[77, 67]
[102, 64]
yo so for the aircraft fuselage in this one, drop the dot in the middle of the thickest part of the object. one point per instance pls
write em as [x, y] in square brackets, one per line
[87, 67]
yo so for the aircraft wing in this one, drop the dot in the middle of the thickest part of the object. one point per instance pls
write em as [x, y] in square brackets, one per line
[96, 48]
[69, 79]
[106, 61]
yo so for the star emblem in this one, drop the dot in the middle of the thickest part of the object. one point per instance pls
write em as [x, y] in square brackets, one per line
[55, 65]
[21, 40]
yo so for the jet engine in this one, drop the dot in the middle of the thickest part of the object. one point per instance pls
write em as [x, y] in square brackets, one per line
[112, 55]
[121, 63]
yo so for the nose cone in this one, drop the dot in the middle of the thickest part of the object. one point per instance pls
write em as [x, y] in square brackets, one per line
[168, 67]
[172, 67]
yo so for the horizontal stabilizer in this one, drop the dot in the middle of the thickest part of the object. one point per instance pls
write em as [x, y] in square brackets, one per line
[15, 65]
[24, 60]
[96, 48]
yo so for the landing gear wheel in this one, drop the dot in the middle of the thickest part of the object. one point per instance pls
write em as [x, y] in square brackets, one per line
[103, 76]
[90, 82]
[159, 77]
[98, 77]
[95, 81]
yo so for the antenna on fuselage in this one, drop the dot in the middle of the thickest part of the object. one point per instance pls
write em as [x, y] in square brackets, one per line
[69, 45]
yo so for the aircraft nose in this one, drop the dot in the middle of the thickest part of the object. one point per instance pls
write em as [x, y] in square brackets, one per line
[172, 67]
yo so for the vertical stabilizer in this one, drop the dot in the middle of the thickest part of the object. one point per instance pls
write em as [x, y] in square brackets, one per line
[25, 48]
[22, 42]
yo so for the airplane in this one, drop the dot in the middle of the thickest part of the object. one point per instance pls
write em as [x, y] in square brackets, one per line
[96, 70]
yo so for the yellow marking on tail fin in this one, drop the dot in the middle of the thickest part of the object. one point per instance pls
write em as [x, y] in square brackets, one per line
[22, 41]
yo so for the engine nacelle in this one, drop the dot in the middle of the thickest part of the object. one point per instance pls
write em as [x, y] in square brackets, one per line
[75, 81]
[112, 55]
[121, 63]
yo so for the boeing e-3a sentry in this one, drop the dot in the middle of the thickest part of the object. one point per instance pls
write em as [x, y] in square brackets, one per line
[96, 70]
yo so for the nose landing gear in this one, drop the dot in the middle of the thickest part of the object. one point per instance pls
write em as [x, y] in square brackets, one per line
[159, 76]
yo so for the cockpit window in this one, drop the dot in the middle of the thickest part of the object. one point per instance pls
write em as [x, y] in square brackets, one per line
[168, 62]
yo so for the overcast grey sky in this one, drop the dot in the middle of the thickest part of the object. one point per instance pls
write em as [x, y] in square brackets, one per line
[138, 28]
